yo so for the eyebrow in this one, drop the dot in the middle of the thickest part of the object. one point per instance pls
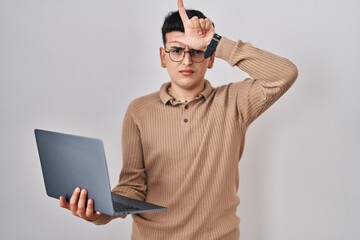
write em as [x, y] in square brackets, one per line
[181, 48]
[175, 47]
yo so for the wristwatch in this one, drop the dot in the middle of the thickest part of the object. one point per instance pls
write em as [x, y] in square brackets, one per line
[212, 46]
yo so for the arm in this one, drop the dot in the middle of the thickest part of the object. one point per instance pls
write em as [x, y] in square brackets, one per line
[270, 76]
[132, 180]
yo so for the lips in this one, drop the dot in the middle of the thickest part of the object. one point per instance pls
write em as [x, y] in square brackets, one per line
[187, 72]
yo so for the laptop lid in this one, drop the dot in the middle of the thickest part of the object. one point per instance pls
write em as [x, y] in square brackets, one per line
[70, 161]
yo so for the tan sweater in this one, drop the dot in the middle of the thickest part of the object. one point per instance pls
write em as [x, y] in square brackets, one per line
[185, 157]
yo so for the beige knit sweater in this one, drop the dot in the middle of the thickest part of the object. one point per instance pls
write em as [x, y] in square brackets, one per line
[185, 156]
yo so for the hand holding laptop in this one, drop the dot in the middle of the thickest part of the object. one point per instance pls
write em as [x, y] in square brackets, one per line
[80, 206]
[71, 162]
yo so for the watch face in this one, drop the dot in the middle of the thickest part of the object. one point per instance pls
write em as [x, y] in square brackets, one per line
[217, 36]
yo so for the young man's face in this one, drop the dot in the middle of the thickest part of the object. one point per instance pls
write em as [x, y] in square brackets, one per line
[186, 74]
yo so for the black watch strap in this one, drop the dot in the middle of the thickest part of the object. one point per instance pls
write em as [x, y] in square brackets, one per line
[212, 46]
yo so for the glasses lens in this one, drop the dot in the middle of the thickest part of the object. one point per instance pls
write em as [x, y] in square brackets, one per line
[176, 54]
[197, 56]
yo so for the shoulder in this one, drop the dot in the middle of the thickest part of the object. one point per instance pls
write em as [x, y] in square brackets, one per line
[144, 103]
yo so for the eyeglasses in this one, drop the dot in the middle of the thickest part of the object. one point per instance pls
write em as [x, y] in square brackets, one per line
[177, 54]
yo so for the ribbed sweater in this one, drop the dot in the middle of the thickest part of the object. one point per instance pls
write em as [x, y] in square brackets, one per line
[185, 156]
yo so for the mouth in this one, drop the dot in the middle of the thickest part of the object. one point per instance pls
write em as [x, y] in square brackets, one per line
[186, 72]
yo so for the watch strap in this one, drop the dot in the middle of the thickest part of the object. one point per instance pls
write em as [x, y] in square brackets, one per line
[212, 46]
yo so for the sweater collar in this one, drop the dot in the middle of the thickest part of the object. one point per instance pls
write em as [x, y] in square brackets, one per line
[166, 97]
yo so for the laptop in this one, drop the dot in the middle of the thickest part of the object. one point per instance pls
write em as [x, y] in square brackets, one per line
[70, 161]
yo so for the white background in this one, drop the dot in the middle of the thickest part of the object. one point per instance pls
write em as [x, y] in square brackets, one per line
[74, 66]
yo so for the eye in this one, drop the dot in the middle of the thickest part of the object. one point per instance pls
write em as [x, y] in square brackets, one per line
[196, 52]
[177, 51]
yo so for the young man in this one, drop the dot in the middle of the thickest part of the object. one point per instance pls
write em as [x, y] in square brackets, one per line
[182, 145]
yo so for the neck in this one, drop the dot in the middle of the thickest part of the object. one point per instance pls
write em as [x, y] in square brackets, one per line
[185, 95]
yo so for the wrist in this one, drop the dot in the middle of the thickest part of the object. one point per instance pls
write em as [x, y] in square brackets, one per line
[211, 48]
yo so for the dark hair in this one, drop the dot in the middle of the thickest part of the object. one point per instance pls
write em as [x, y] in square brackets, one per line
[173, 22]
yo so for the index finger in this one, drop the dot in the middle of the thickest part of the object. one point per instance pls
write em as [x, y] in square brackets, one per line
[182, 11]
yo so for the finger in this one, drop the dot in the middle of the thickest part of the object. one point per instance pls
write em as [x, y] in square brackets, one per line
[74, 200]
[202, 23]
[63, 203]
[182, 11]
[208, 25]
[90, 208]
[91, 215]
[196, 25]
[82, 203]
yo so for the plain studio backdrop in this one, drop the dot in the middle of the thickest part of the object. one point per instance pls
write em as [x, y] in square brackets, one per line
[74, 66]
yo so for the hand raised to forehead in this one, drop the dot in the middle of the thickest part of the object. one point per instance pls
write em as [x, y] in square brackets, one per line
[198, 31]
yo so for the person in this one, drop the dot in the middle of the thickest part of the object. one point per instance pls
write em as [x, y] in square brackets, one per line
[182, 145]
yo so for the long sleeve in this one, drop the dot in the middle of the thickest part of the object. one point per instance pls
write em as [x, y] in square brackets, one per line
[270, 77]
[132, 181]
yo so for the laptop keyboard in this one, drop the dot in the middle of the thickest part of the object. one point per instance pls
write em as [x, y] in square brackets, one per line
[121, 207]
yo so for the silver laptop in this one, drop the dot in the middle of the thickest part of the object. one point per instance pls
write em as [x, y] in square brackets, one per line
[69, 161]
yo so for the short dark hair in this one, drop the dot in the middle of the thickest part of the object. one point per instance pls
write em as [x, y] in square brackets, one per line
[173, 22]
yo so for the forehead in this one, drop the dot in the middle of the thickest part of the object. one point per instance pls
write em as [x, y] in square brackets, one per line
[170, 36]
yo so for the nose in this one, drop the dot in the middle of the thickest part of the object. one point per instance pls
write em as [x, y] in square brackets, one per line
[187, 58]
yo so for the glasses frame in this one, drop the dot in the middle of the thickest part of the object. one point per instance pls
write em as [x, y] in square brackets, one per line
[190, 52]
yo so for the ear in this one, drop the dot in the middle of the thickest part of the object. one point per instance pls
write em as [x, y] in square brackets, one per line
[162, 57]
[211, 61]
